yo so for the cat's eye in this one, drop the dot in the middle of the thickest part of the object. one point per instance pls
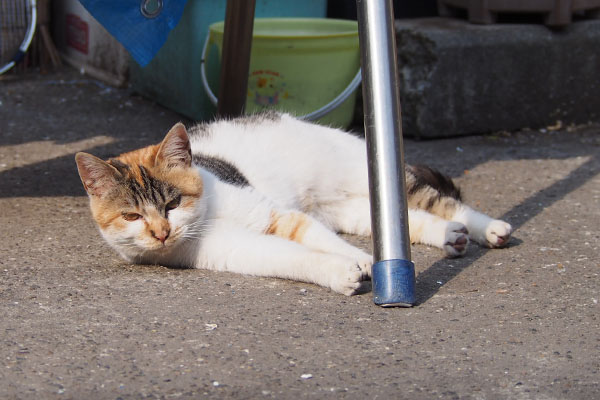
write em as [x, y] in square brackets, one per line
[131, 216]
[173, 203]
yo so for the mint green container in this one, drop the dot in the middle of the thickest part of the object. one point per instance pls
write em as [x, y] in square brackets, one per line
[298, 65]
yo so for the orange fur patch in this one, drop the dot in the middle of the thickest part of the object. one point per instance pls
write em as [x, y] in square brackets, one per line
[156, 223]
[290, 226]
[186, 180]
[144, 156]
[106, 214]
[428, 199]
[415, 232]
[446, 208]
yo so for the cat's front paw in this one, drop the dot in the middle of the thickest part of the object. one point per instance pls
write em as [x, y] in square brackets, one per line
[365, 263]
[497, 234]
[456, 239]
[347, 277]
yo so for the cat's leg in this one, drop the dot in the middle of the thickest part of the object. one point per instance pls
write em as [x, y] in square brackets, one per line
[482, 229]
[352, 216]
[432, 230]
[246, 252]
[435, 193]
[308, 231]
[259, 214]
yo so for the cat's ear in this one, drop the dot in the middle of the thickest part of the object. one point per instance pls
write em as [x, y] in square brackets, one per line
[175, 150]
[98, 176]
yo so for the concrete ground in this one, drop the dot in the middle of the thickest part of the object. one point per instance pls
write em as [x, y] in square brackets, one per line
[77, 322]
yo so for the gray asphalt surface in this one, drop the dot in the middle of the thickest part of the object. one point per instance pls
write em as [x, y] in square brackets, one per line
[77, 322]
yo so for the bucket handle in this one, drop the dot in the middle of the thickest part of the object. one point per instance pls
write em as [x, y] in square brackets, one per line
[327, 108]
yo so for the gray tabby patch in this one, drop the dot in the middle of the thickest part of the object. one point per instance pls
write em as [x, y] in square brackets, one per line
[225, 171]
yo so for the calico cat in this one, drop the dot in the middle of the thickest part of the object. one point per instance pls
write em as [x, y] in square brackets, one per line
[265, 195]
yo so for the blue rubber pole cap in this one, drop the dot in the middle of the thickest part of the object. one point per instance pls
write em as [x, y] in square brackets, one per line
[393, 283]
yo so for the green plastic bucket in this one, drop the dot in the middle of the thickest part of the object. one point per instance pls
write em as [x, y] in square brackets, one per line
[299, 65]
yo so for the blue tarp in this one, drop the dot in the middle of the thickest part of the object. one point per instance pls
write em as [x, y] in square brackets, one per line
[140, 35]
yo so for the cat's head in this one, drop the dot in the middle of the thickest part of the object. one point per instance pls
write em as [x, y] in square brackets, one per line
[148, 201]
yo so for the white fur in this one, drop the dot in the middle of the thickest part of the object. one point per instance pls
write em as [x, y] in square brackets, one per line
[296, 164]
[292, 167]
[237, 243]
[323, 172]
[483, 229]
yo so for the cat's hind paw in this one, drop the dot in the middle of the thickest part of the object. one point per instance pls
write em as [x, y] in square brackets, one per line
[497, 234]
[456, 239]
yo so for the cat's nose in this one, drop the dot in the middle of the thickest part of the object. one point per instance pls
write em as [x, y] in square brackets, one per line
[161, 234]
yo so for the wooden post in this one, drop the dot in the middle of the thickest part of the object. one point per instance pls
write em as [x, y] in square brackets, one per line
[235, 61]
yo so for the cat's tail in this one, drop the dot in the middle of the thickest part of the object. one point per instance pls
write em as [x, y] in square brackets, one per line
[432, 191]
[421, 177]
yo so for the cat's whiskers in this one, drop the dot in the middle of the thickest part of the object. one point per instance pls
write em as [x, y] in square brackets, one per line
[193, 234]
[191, 231]
[198, 226]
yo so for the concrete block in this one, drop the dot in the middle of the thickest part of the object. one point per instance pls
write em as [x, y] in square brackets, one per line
[458, 78]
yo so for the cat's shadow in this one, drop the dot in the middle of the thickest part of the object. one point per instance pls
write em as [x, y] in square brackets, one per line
[427, 281]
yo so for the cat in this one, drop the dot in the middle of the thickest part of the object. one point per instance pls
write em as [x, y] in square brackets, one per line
[265, 195]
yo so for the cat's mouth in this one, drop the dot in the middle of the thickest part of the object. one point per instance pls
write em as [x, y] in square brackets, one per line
[163, 247]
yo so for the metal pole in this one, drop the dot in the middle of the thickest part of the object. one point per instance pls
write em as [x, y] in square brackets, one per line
[393, 272]
[235, 61]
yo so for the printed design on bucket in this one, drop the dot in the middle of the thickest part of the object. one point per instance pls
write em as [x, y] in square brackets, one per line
[267, 88]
